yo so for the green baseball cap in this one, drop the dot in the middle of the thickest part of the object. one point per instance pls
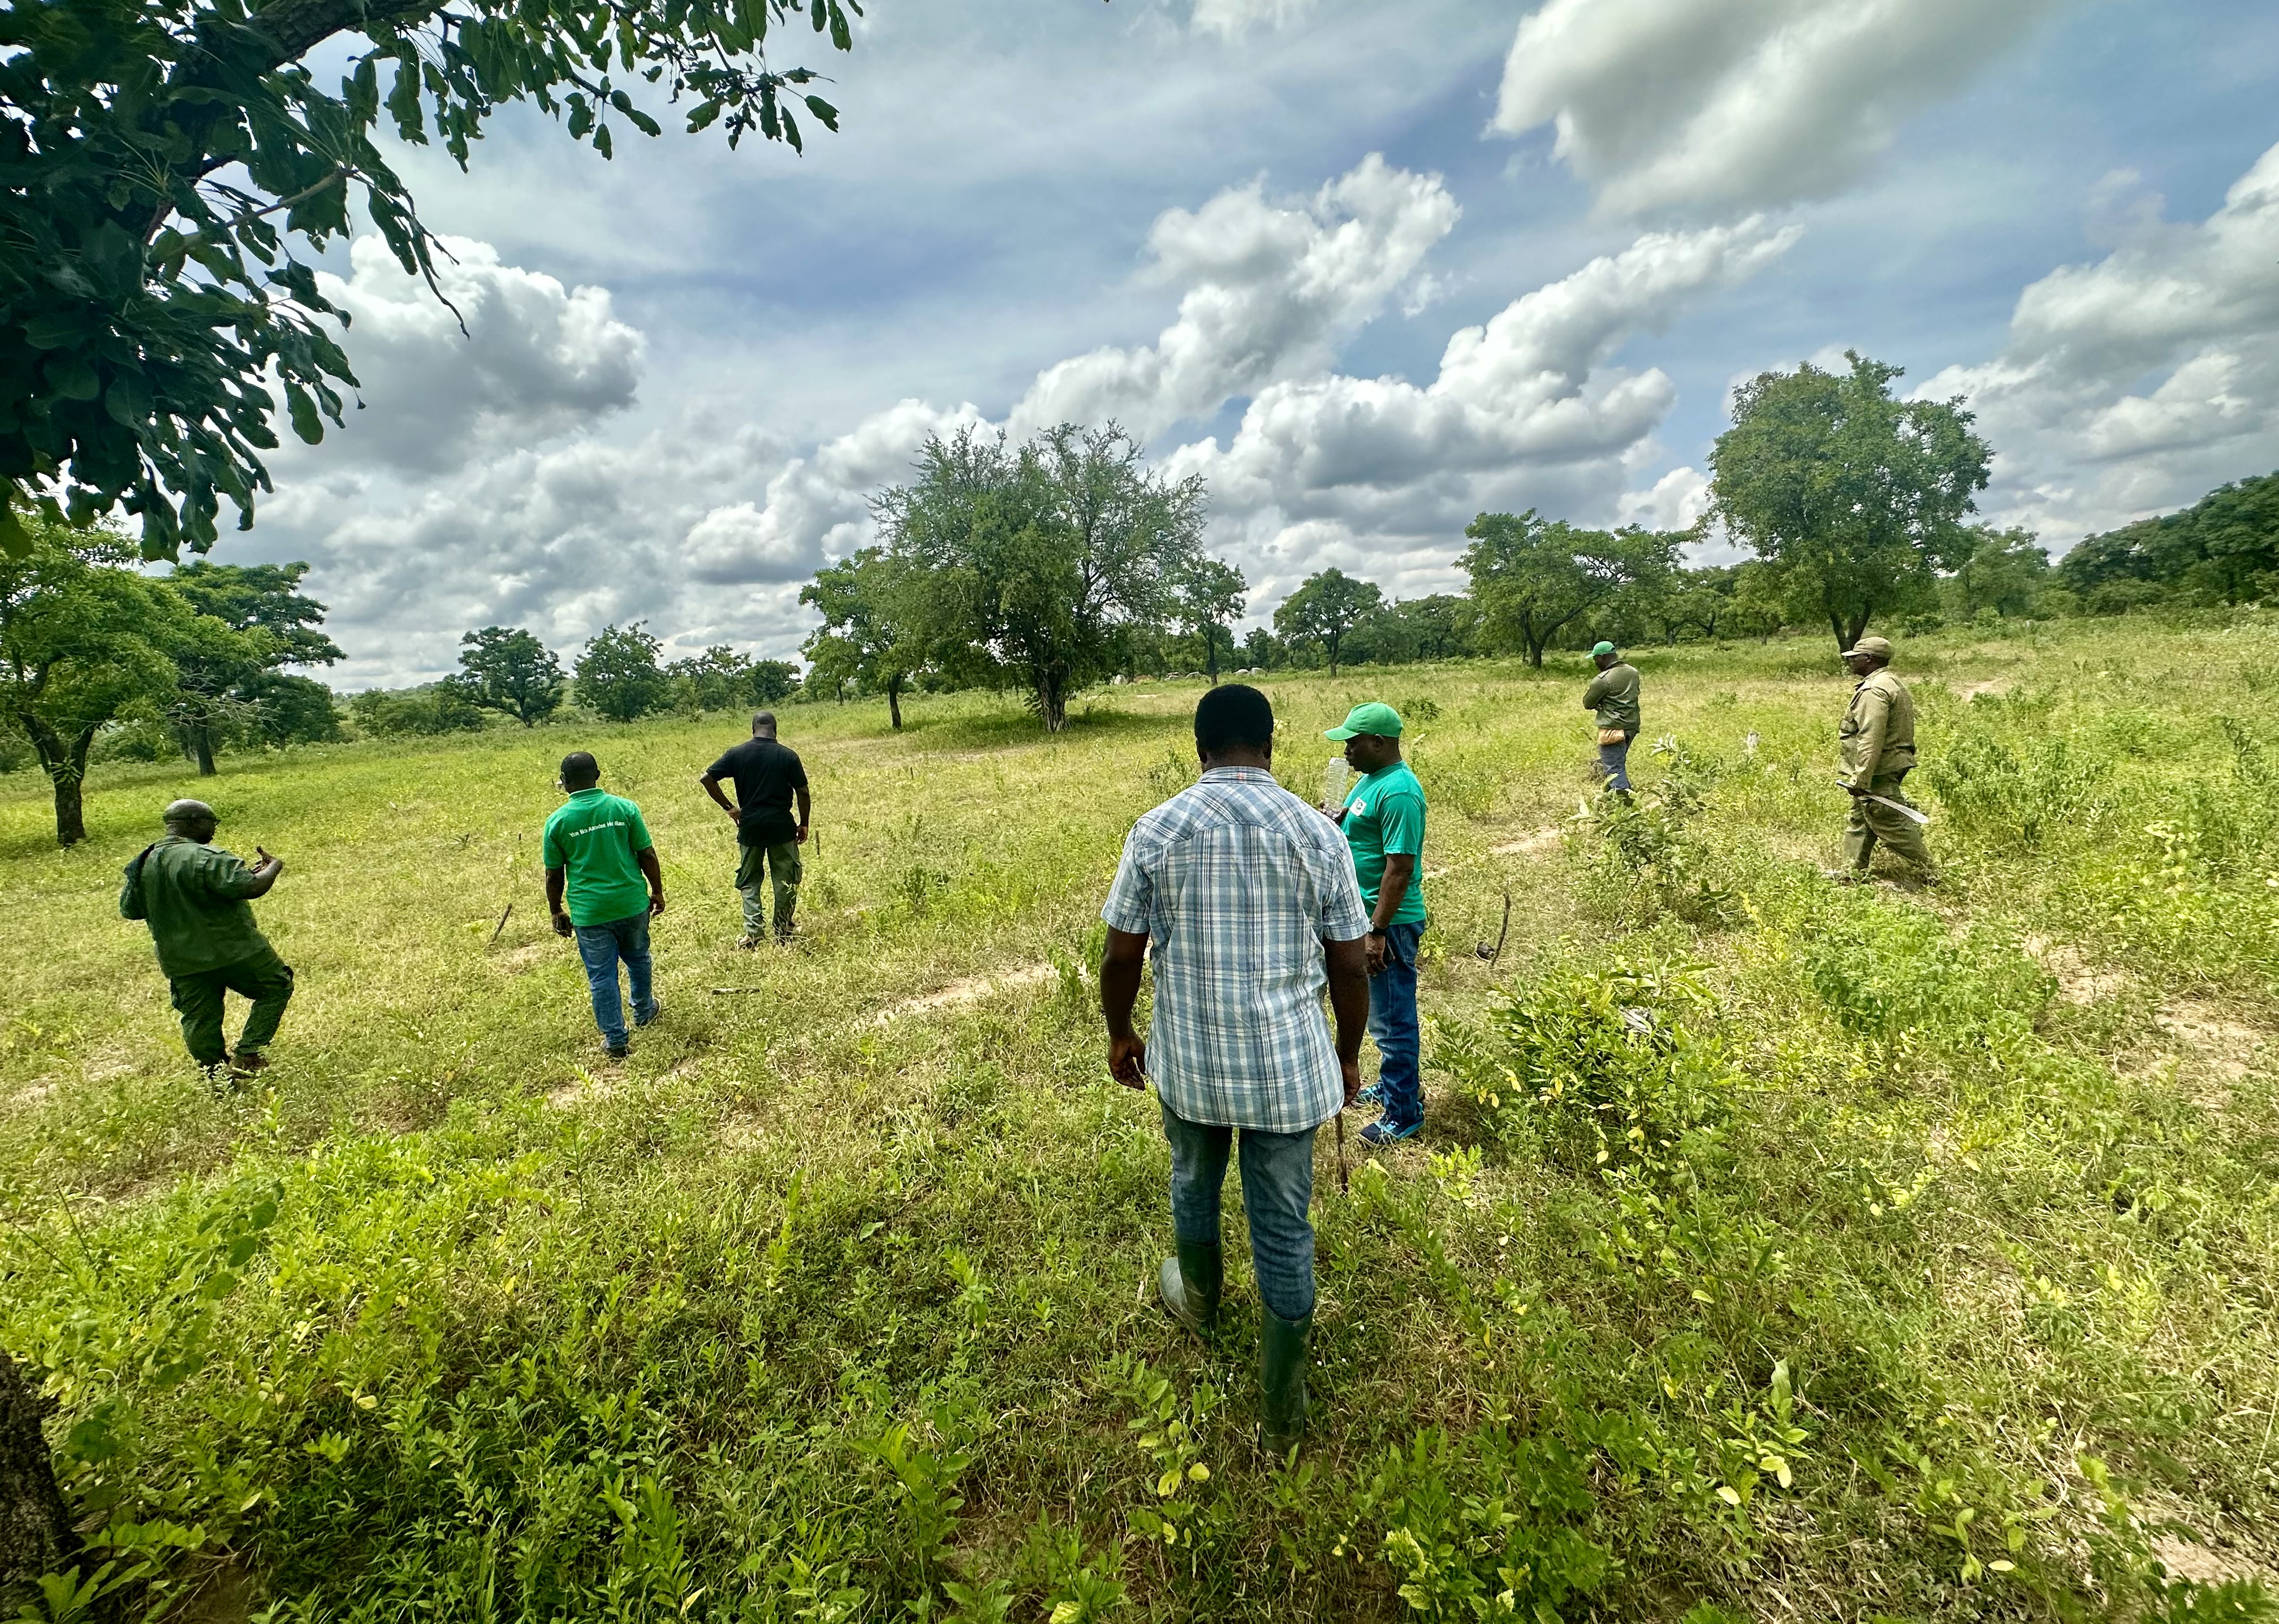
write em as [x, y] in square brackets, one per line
[1382, 720]
[1600, 648]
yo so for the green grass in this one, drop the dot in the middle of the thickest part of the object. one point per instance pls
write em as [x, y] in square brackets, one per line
[1773, 1251]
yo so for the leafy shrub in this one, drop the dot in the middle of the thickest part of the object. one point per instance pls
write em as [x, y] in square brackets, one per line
[1650, 860]
[439, 707]
[1600, 1066]
[1893, 974]
[2017, 800]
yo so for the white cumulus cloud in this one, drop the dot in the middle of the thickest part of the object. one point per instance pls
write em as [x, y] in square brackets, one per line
[536, 359]
[1712, 107]
[1272, 289]
[1525, 410]
[2133, 385]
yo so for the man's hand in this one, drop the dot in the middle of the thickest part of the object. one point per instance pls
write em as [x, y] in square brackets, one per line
[1127, 1061]
[1378, 951]
[267, 860]
[1350, 1070]
[800, 834]
[734, 815]
[562, 926]
[656, 903]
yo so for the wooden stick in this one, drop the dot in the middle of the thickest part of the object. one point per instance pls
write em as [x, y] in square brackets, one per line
[1344, 1188]
[501, 924]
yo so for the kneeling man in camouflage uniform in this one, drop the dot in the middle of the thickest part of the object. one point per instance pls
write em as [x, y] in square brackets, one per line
[197, 898]
[1877, 742]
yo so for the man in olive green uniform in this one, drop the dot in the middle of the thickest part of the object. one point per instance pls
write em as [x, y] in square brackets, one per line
[1613, 696]
[1877, 742]
[197, 898]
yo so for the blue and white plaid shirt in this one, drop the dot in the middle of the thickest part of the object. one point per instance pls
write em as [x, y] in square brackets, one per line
[1236, 883]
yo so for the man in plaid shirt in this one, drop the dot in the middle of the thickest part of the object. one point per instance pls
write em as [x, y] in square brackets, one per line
[1244, 897]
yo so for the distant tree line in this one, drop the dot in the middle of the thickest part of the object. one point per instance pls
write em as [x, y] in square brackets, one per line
[1053, 564]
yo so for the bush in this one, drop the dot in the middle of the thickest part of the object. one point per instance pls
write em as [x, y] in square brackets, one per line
[439, 707]
[1599, 1066]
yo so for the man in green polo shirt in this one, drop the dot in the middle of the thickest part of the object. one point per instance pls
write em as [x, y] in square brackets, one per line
[197, 901]
[1383, 820]
[602, 884]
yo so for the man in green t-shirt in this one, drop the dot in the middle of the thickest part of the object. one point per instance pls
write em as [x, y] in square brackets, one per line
[1383, 820]
[197, 901]
[602, 884]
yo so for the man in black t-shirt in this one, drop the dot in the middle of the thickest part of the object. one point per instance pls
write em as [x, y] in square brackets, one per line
[767, 778]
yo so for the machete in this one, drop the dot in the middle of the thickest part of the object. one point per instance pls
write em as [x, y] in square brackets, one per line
[1912, 814]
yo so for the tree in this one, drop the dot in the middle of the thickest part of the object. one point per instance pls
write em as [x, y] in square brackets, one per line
[1532, 578]
[617, 674]
[510, 671]
[290, 709]
[438, 708]
[768, 681]
[2225, 549]
[1442, 625]
[83, 638]
[1210, 598]
[2004, 571]
[167, 161]
[1325, 608]
[1856, 498]
[717, 679]
[874, 631]
[221, 681]
[1029, 563]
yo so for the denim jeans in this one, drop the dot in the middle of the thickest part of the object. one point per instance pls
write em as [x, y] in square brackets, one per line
[1614, 764]
[1392, 1023]
[1277, 1187]
[601, 947]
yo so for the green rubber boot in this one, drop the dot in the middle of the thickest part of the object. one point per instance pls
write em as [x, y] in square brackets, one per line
[1191, 1283]
[1282, 1368]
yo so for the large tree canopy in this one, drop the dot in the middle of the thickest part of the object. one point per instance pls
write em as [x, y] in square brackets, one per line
[1532, 578]
[873, 629]
[162, 162]
[82, 638]
[1856, 498]
[2225, 549]
[1326, 606]
[1031, 560]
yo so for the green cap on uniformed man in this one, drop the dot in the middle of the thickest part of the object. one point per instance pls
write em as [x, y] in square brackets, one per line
[1599, 650]
[1872, 647]
[1374, 718]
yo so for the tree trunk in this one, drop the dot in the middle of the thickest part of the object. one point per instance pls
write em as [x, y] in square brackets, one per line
[71, 821]
[894, 700]
[1210, 653]
[201, 743]
[35, 1532]
[1334, 643]
[1052, 703]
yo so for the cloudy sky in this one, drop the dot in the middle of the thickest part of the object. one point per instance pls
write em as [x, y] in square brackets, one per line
[1368, 269]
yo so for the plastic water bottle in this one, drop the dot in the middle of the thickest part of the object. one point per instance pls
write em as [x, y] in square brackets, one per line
[1337, 779]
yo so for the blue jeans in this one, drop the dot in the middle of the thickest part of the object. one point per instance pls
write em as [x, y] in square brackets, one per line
[601, 947]
[1277, 1187]
[1614, 765]
[1392, 1023]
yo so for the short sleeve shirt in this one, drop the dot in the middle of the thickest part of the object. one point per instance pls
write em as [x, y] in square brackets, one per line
[195, 900]
[1385, 815]
[592, 837]
[766, 773]
[1236, 882]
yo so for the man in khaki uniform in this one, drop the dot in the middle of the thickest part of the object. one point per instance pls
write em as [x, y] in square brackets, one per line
[196, 899]
[1878, 744]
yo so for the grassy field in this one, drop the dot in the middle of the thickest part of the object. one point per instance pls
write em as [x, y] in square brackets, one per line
[1773, 1250]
